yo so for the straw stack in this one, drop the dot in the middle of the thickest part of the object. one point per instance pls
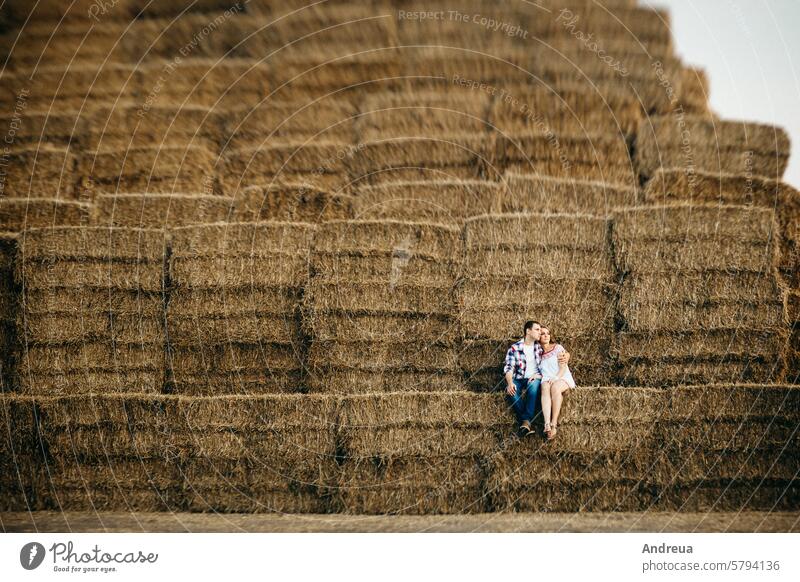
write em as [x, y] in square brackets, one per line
[159, 210]
[92, 310]
[699, 302]
[8, 308]
[417, 453]
[233, 312]
[697, 143]
[606, 456]
[20, 454]
[380, 307]
[18, 214]
[39, 171]
[293, 202]
[552, 268]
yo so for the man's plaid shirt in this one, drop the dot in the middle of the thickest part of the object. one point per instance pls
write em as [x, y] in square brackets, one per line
[517, 362]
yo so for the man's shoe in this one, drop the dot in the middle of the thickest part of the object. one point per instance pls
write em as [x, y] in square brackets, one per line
[525, 428]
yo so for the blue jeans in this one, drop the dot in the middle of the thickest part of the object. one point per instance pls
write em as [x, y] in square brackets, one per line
[525, 402]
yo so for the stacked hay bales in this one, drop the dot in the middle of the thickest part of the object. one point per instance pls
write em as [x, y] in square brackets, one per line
[554, 269]
[20, 454]
[607, 457]
[8, 308]
[697, 143]
[39, 171]
[441, 201]
[233, 313]
[731, 448]
[92, 310]
[159, 210]
[257, 453]
[673, 185]
[380, 307]
[18, 214]
[699, 302]
[292, 202]
[417, 453]
[160, 169]
[523, 193]
[109, 453]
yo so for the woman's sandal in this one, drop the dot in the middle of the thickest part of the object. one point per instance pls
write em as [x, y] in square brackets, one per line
[547, 430]
[553, 432]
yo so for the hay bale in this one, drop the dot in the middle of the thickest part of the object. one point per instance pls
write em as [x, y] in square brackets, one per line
[223, 302]
[91, 381]
[658, 316]
[649, 257]
[731, 495]
[444, 201]
[588, 496]
[253, 240]
[413, 501]
[113, 472]
[39, 171]
[292, 202]
[197, 383]
[109, 275]
[737, 343]
[693, 222]
[162, 169]
[361, 443]
[254, 328]
[695, 90]
[561, 263]
[43, 300]
[75, 359]
[326, 120]
[570, 319]
[383, 356]
[424, 472]
[379, 298]
[692, 467]
[526, 193]
[469, 172]
[278, 270]
[137, 412]
[700, 143]
[423, 328]
[230, 357]
[159, 210]
[404, 239]
[139, 499]
[403, 268]
[18, 214]
[68, 242]
[232, 499]
[350, 380]
[500, 292]
[665, 374]
[531, 231]
[55, 328]
[698, 287]
[733, 402]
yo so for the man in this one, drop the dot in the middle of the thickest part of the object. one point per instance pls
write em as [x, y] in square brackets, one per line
[524, 377]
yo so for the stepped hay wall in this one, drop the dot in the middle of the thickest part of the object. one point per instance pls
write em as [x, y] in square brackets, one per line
[286, 284]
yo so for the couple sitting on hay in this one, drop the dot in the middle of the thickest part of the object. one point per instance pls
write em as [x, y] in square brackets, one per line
[536, 368]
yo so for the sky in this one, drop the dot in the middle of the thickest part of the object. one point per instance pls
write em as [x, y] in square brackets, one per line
[750, 50]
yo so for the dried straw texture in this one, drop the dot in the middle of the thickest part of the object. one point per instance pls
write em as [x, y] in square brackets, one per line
[699, 287]
[443, 201]
[109, 275]
[90, 357]
[404, 239]
[91, 381]
[570, 319]
[531, 290]
[162, 169]
[159, 210]
[188, 382]
[674, 185]
[423, 328]
[228, 302]
[725, 495]
[195, 330]
[20, 453]
[733, 402]
[663, 374]
[132, 244]
[381, 356]
[66, 300]
[695, 91]
[347, 380]
[533, 231]
[661, 316]
[401, 266]
[39, 171]
[525, 193]
[740, 343]
[277, 269]
[587, 496]
[422, 113]
[379, 298]
[18, 214]
[292, 202]
[238, 358]
[252, 240]
[700, 143]
[280, 160]
[326, 120]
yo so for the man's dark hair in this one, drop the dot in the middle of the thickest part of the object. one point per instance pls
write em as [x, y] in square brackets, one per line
[528, 325]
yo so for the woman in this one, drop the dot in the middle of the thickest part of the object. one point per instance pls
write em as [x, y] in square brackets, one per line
[556, 380]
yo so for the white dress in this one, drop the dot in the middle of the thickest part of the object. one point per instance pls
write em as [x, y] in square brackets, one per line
[550, 367]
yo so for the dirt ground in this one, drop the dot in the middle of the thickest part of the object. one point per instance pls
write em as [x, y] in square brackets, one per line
[44, 522]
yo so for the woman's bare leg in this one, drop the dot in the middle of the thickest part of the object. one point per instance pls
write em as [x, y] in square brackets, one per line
[546, 405]
[557, 389]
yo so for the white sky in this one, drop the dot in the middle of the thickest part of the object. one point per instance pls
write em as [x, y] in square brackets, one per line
[750, 50]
